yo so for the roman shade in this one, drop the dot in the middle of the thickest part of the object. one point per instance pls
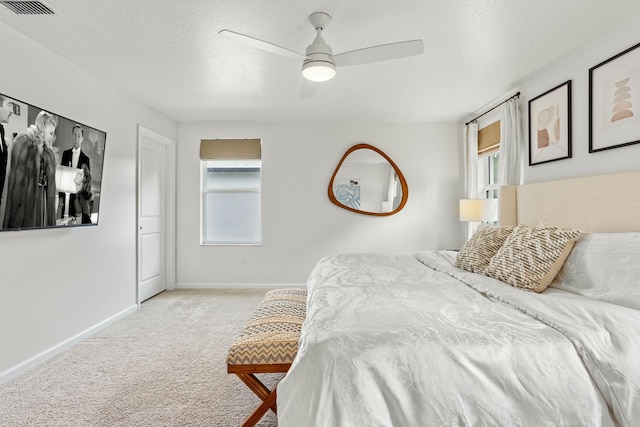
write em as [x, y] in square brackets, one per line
[228, 149]
[489, 138]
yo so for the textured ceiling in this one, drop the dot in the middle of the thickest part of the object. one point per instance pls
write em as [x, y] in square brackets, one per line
[168, 53]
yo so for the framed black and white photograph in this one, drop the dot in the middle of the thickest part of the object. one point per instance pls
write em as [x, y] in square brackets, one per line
[550, 125]
[50, 168]
[614, 101]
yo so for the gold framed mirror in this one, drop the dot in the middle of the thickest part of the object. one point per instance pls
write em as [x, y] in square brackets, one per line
[368, 182]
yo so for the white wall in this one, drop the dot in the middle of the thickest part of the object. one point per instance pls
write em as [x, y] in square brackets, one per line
[300, 225]
[575, 67]
[58, 283]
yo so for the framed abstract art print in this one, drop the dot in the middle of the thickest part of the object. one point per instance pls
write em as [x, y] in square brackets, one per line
[614, 101]
[550, 125]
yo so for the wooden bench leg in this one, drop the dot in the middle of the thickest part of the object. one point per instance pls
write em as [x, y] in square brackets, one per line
[269, 402]
[267, 396]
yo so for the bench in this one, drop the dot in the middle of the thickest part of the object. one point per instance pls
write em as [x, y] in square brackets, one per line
[268, 344]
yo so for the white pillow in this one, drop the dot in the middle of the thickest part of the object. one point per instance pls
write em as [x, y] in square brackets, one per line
[604, 266]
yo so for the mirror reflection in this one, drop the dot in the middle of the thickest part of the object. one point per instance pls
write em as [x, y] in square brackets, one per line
[367, 181]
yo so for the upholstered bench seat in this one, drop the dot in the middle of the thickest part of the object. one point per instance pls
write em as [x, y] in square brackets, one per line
[268, 343]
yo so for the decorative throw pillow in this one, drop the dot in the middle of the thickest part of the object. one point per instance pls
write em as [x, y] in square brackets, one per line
[532, 256]
[483, 245]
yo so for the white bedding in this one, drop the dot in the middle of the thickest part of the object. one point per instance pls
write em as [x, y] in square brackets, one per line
[413, 341]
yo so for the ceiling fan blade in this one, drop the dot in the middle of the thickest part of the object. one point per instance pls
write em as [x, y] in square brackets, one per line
[261, 44]
[382, 52]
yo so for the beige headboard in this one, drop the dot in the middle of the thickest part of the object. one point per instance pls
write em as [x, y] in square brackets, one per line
[597, 204]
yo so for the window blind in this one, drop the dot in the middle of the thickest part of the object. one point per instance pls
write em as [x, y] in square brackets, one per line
[224, 149]
[489, 138]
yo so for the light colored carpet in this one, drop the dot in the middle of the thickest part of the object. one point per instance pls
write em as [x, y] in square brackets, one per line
[163, 365]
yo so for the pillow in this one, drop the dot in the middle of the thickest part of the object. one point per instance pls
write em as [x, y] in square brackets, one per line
[483, 245]
[604, 266]
[532, 256]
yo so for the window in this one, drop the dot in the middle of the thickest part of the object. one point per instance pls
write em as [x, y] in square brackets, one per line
[485, 168]
[231, 195]
[485, 185]
[488, 187]
[488, 148]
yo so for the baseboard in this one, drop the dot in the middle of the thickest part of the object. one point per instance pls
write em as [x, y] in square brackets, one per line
[239, 285]
[38, 359]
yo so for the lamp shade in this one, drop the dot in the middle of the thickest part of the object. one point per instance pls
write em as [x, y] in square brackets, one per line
[477, 210]
[65, 177]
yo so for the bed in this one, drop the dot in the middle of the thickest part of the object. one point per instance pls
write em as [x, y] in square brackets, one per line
[414, 340]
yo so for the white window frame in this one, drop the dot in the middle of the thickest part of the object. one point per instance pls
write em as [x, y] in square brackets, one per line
[203, 214]
[488, 182]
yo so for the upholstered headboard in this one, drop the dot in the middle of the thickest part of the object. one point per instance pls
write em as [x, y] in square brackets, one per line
[597, 204]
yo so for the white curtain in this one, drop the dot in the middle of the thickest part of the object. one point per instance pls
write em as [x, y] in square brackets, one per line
[470, 167]
[471, 160]
[511, 149]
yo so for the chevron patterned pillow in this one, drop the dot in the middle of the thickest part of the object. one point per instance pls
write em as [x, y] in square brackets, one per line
[532, 256]
[483, 245]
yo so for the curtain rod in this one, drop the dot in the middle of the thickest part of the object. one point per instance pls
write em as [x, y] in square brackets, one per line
[493, 108]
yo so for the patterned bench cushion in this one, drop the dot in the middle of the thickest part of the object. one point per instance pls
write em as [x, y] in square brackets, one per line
[271, 335]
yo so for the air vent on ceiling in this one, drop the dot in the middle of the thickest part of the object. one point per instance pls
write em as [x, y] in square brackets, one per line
[28, 7]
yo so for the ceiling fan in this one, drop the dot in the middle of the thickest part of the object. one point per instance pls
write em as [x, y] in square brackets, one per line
[319, 63]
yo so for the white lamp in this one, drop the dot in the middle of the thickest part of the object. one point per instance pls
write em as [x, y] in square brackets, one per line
[479, 210]
[65, 177]
[65, 183]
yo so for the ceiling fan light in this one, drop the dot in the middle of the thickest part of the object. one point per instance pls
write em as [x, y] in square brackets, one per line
[318, 71]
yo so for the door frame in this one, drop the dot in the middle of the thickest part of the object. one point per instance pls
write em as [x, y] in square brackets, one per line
[170, 208]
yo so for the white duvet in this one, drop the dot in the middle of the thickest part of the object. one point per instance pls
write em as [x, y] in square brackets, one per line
[413, 341]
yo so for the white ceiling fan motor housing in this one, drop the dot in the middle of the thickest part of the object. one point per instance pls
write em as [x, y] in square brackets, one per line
[319, 65]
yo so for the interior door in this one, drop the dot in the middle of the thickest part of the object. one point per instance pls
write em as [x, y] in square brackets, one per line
[152, 217]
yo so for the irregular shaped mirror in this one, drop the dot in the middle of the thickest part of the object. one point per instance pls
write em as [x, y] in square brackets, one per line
[367, 181]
